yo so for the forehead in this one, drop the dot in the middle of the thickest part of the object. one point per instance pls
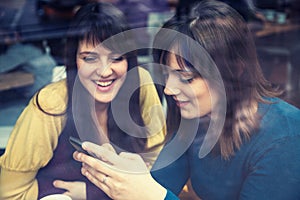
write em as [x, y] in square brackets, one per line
[89, 46]
[177, 63]
[172, 62]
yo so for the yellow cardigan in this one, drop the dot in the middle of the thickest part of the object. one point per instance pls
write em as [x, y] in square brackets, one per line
[35, 136]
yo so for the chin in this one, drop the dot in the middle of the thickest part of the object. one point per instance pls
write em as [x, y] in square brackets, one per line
[188, 115]
[104, 99]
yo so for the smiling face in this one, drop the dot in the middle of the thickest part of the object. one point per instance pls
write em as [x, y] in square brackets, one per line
[188, 89]
[101, 71]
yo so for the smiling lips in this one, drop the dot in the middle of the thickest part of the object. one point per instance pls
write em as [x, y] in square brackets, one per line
[181, 103]
[105, 86]
[104, 83]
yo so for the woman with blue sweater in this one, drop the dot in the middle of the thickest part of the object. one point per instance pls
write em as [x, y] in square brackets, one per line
[233, 137]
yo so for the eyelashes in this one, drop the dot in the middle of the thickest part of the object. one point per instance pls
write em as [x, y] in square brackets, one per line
[95, 59]
[117, 59]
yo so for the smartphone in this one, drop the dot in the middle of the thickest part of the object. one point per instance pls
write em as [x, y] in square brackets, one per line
[76, 143]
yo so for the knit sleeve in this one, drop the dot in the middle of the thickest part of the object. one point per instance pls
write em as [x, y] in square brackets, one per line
[153, 116]
[171, 196]
[31, 144]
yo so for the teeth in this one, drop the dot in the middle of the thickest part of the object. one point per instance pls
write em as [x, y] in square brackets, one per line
[104, 83]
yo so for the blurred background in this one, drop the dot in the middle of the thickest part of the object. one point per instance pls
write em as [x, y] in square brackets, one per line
[32, 41]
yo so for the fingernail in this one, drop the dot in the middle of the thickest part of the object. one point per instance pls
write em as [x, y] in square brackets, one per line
[84, 145]
[78, 156]
[75, 154]
[86, 173]
[83, 171]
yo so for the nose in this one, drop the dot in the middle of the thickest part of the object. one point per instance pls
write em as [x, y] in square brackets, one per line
[171, 87]
[104, 72]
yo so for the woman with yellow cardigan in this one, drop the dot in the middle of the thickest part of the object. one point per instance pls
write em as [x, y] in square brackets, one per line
[105, 98]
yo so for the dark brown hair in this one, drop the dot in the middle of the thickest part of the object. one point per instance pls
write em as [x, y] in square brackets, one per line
[224, 34]
[94, 23]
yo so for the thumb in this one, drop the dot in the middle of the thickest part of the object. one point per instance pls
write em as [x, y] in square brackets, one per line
[61, 184]
[109, 147]
[130, 156]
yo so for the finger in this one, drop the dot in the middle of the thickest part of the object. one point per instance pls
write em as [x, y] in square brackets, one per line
[96, 174]
[109, 147]
[67, 193]
[99, 183]
[61, 184]
[101, 152]
[130, 156]
[134, 163]
[75, 155]
[98, 165]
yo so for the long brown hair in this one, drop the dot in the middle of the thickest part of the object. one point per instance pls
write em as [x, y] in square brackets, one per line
[224, 34]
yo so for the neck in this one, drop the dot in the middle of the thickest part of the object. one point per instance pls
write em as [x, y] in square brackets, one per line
[101, 117]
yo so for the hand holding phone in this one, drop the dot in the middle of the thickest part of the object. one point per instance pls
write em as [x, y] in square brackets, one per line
[77, 144]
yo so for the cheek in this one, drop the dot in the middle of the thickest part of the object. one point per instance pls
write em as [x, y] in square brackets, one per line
[79, 63]
[202, 96]
[84, 70]
[83, 73]
[121, 68]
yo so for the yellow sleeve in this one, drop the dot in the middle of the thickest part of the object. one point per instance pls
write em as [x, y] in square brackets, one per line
[153, 116]
[31, 143]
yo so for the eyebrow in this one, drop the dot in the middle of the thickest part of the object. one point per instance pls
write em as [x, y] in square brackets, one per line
[95, 54]
[88, 52]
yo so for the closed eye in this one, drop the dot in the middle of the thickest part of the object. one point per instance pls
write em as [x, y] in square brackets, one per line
[116, 59]
[186, 77]
[90, 59]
